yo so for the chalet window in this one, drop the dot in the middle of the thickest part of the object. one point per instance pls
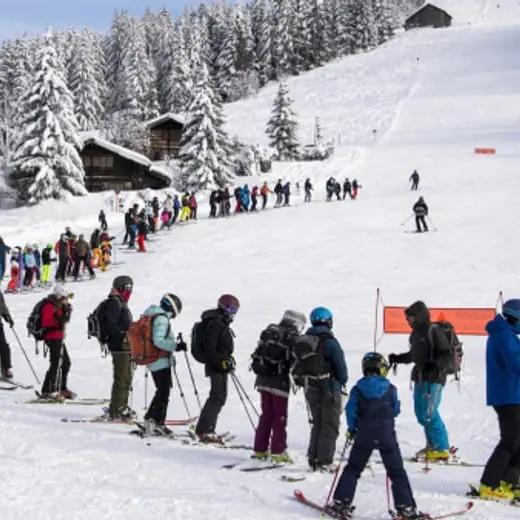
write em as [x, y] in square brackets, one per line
[87, 160]
[103, 162]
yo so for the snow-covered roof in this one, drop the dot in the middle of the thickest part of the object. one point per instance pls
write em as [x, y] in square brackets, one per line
[165, 117]
[161, 168]
[425, 5]
[118, 150]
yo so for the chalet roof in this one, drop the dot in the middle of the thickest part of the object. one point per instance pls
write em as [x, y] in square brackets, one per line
[419, 9]
[165, 117]
[118, 150]
[166, 171]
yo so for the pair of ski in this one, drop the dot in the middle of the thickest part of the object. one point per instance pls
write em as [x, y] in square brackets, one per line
[10, 384]
[325, 510]
[298, 476]
[82, 401]
[129, 422]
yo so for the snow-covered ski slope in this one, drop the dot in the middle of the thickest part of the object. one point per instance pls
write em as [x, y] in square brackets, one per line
[462, 93]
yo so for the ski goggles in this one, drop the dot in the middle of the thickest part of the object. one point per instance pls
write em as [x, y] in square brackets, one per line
[231, 310]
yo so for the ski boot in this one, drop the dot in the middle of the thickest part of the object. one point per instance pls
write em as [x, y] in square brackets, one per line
[7, 375]
[340, 509]
[260, 455]
[281, 458]
[410, 513]
[210, 438]
[68, 394]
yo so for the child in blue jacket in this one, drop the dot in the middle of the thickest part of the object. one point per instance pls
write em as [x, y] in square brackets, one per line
[371, 410]
[161, 370]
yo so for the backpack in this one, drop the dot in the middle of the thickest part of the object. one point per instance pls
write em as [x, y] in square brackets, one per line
[456, 350]
[197, 342]
[309, 361]
[273, 352]
[96, 325]
[140, 339]
[34, 321]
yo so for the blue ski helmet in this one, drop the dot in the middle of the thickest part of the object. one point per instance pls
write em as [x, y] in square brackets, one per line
[321, 315]
[511, 308]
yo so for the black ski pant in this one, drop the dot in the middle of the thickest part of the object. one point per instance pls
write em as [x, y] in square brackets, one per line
[308, 196]
[264, 201]
[415, 185]
[77, 265]
[59, 367]
[29, 273]
[214, 404]
[392, 460]
[5, 350]
[254, 202]
[159, 405]
[62, 268]
[325, 408]
[212, 210]
[104, 225]
[421, 219]
[127, 235]
[504, 463]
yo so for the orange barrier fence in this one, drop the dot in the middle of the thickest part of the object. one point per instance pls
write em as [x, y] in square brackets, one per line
[465, 321]
[486, 151]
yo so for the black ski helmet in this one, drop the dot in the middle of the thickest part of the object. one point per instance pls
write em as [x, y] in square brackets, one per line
[172, 304]
[122, 282]
[374, 363]
[229, 304]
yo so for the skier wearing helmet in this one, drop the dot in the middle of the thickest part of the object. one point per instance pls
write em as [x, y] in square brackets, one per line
[324, 395]
[218, 346]
[501, 476]
[117, 320]
[163, 339]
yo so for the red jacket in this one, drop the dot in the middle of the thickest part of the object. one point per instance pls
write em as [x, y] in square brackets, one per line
[54, 318]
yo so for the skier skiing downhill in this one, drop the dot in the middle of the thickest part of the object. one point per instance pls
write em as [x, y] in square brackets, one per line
[371, 410]
[420, 210]
[414, 179]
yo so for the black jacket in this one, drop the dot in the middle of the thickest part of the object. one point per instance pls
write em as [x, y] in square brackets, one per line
[217, 342]
[420, 209]
[430, 358]
[118, 320]
[4, 311]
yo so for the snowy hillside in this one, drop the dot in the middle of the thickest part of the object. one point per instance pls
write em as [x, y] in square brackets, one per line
[430, 114]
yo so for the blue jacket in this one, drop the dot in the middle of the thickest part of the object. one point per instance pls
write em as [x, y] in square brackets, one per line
[372, 407]
[163, 337]
[38, 257]
[502, 363]
[334, 354]
[29, 261]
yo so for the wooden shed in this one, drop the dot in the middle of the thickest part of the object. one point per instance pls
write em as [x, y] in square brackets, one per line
[110, 166]
[165, 136]
[428, 15]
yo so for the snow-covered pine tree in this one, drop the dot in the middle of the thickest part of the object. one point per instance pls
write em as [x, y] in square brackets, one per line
[203, 156]
[261, 28]
[385, 19]
[224, 66]
[281, 42]
[84, 83]
[45, 163]
[282, 128]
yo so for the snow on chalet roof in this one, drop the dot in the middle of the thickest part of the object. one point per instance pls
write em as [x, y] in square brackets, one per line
[164, 117]
[161, 168]
[420, 8]
[118, 150]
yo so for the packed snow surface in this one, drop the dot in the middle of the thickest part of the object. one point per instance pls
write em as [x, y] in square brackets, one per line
[433, 96]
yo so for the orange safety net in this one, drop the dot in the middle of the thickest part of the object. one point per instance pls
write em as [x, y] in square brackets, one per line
[470, 322]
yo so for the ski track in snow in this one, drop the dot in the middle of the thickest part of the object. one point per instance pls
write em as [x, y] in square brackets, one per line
[432, 113]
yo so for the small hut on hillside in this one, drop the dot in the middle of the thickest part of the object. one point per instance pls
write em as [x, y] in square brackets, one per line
[165, 136]
[428, 15]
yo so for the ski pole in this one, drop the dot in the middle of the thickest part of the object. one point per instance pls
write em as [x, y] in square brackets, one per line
[146, 373]
[195, 390]
[237, 382]
[241, 397]
[405, 221]
[181, 391]
[431, 222]
[348, 441]
[26, 356]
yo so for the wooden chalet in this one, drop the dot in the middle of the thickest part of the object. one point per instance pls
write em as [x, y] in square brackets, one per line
[109, 166]
[428, 15]
[165, 136]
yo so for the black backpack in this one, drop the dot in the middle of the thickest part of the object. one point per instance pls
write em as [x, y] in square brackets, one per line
[197, 342]
[34, 321]
[97, 325]
[308, 359]
[273, 352]
[456, 350]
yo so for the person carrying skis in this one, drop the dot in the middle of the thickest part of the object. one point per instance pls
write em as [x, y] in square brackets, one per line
[102, 218]
[271, 362]
[414, 179]
[324, 393]
[371, 410]
[420, 210]
[501, 475]
[163, 339]
[55, 315]
[218, 346]
[118, 319]
[308, 190]
[430, 352]
[5, 350]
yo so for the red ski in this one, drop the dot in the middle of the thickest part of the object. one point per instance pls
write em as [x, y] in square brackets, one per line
[427, 516]
[300, 496]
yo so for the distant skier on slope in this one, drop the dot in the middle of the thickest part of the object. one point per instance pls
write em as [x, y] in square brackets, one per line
[420, 209]
[414, 179]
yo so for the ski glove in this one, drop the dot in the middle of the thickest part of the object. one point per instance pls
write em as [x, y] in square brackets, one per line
[393, 359]
[181, 346]
[229, 364]
[350, 435]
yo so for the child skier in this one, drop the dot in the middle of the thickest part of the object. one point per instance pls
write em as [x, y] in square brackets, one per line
[46, 263]
[12, 286]
[371, 411]
[30, 266]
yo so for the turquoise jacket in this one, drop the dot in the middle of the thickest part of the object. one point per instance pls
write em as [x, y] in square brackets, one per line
[163, 337]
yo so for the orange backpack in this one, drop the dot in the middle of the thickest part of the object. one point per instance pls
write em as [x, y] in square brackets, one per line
[140, 338]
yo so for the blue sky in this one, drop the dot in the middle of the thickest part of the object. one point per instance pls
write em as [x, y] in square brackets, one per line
[34, 16]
